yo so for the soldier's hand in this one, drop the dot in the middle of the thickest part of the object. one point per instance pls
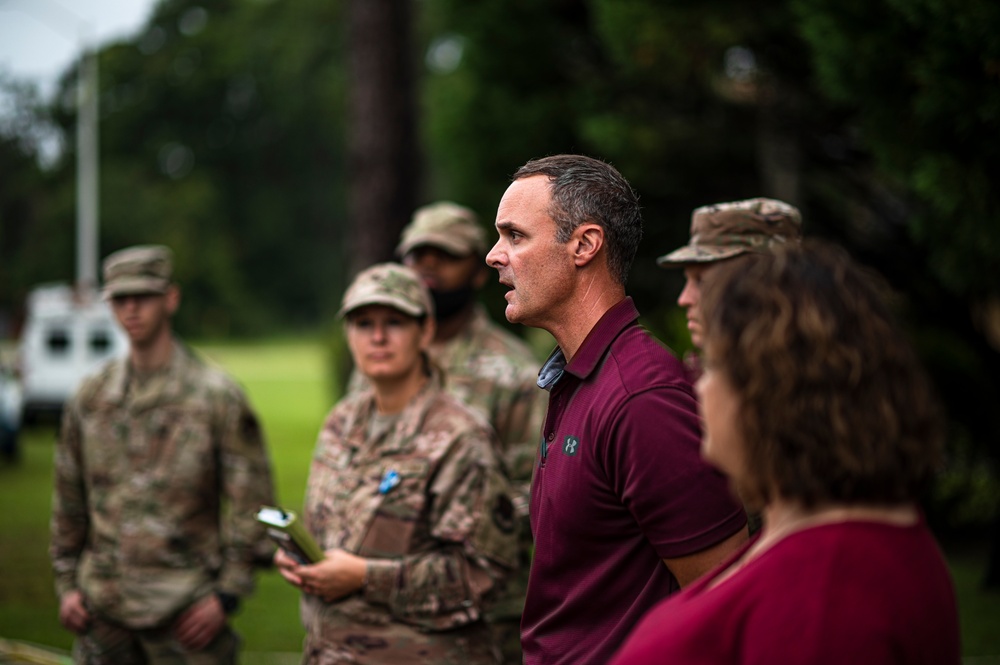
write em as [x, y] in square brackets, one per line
[199, 624]
[73, 615]
[288, 567]
[336, 576]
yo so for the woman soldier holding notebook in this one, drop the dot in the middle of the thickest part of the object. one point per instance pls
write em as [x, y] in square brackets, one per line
[407, 498]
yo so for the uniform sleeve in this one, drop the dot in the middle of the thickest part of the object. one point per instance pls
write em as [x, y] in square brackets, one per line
[518, 420]
[472, 519]
[70, 520]
[246, 486]
[682, 504]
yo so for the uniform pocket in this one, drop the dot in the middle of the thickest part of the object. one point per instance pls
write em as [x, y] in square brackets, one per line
[402, 502]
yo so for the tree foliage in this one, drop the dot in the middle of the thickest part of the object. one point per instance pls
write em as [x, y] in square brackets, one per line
[221, 135]
[924, 78]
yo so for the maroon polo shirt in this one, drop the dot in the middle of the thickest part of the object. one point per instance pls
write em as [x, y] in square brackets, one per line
[619, 485]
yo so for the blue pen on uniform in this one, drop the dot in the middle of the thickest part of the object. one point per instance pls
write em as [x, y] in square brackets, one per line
[389, 480]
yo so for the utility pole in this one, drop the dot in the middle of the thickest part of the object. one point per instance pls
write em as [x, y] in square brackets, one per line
[61, 20]
[88, 169]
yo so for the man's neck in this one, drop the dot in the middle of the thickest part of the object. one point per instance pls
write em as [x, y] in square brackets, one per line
[448, 329]
[582, 315]
[153, 356]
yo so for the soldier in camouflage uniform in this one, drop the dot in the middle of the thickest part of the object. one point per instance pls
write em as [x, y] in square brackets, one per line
[721, 232]
[407, 497]
[484, 365]
[159, 468]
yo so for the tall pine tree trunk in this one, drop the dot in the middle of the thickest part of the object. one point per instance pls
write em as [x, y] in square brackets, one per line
[382, 139]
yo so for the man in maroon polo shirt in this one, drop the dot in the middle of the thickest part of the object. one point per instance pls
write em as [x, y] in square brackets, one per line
[623, 510]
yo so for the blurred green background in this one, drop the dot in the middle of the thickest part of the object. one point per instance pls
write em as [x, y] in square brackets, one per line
[279, 146]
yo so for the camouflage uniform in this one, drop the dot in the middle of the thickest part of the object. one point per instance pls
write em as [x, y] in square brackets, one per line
[427, 502]
[141, 471]
[495, 373]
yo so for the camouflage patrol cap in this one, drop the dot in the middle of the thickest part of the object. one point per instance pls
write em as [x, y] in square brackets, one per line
[138, 269]
[444, 225]
[725, 230]
[389, 284]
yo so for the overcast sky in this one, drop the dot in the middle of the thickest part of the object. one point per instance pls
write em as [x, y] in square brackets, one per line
[40, 38]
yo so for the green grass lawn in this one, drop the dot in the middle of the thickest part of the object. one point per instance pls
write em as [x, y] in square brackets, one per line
[288, 383]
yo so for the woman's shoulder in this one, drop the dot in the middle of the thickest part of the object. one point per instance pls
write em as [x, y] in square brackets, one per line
[348, 409]
[450, 413]
[447, 418]
[848, 588]
[842, 562]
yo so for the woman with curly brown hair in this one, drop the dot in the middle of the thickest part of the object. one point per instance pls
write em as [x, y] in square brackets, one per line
[820, 414]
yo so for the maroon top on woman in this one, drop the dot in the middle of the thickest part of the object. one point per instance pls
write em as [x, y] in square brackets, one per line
[864, 593]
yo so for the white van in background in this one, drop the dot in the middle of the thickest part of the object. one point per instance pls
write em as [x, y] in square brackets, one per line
[65, 338]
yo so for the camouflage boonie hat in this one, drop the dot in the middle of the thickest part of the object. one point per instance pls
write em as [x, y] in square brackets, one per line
[139, 269]
[725, 230]
[389, 284]
[444, 225]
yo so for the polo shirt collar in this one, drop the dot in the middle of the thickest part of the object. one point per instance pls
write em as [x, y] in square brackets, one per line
[552, 369]
[594, 346]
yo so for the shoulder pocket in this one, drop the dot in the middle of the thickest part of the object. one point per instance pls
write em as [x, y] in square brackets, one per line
[496, 534]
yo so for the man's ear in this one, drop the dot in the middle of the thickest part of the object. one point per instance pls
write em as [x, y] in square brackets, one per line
[479, 279]
[173, 296]
[586, 243]
[427, 333]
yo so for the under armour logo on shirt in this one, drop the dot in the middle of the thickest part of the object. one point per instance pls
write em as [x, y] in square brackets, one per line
[570, 445]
